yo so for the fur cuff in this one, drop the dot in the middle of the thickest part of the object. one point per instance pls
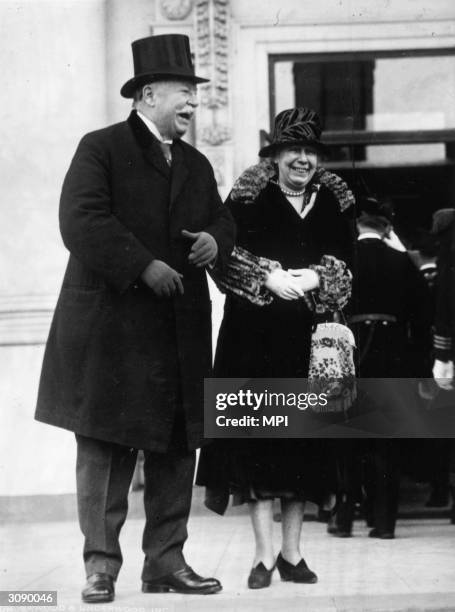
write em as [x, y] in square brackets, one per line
[245, 275]
[335, 284]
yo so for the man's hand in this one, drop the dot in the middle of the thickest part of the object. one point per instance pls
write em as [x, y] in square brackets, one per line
[306, 278]
[162, 279]
[282, 284]
[443, 374]
[394, 242]
[204, 250]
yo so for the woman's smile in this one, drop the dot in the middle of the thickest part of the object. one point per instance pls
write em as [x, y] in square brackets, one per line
[296, 166]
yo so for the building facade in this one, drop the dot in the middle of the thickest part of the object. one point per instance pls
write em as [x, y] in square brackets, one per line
[380, 72]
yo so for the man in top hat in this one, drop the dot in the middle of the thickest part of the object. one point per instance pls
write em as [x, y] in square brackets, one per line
[130, 342]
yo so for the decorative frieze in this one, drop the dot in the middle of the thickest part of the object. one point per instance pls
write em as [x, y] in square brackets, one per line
[212, 58]
[212, 50]
[214, 135]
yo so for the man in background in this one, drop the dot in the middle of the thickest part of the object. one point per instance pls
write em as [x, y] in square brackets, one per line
[389, 298]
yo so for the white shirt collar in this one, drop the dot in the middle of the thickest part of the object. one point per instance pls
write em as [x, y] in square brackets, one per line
[152, 127]
[369, 235]
[428, 266]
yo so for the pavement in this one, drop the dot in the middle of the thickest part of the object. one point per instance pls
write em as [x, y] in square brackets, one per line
[414, 572]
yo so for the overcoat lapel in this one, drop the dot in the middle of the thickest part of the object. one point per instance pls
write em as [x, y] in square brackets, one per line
[180, 171]
[154, 155]
[149, 144]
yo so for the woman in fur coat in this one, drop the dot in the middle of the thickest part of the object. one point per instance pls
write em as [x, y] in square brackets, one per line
[289, 269]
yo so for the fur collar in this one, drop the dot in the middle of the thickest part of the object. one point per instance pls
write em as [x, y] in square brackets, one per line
[255, 178]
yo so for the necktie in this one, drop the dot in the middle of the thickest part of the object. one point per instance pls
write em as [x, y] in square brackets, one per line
[166, 148]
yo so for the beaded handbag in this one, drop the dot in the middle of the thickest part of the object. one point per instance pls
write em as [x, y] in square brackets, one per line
[332, 369]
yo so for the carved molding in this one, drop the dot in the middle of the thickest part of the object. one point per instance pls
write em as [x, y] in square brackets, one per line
[215, 135]
[176, 10]
[218, 162]
[212, 50]
[25, 319]
[212, 59]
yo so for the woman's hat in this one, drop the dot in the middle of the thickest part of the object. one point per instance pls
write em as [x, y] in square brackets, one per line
[295, 126]
[155, 58]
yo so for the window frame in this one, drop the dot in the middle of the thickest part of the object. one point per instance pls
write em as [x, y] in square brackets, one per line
[365, 137]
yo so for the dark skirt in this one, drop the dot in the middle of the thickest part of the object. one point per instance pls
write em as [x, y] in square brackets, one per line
[264, 342]
[250, 470]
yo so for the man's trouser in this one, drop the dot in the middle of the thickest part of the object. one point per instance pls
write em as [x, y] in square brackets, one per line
[104, 472]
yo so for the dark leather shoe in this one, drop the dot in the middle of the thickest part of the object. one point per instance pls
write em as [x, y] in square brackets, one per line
[339, 532]
[99, 589]
[183, 581]
[295, 573]
[382, 535]
[339, 529]
[260, 577]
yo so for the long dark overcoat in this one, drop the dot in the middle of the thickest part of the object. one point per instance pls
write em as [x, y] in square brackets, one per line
[273, 341]
[120, 362]
[387, 282]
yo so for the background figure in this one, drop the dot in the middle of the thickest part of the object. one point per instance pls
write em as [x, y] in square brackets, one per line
[444, 325]
[130, 342]
[429, 457]
[291, 219]
[389, 298]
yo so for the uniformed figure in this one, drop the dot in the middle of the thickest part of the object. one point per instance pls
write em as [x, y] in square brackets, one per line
[429, 457]
[130, 343]
[390, 300]
[444, 343]
[444, 324]
[389, 297]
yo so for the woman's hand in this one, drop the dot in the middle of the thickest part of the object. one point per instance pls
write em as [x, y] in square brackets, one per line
[306, 278]
[283, 284]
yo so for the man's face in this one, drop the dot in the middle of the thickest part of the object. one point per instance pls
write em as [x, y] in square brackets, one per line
[172, 105]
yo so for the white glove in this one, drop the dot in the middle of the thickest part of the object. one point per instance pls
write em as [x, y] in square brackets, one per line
[443, 374]
[307, 279]
[282, 284]
[393, 241]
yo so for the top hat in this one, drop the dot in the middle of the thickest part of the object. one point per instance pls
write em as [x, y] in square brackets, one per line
[295, 126]
[155, 58]
[368, 206]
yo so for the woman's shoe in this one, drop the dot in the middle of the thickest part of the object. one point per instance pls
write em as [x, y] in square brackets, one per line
[295, 573]
[260, 577]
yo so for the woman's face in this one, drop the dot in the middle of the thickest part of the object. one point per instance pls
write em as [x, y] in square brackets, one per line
[296, 166]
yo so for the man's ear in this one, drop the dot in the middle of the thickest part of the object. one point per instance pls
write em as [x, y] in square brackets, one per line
[148, 95]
